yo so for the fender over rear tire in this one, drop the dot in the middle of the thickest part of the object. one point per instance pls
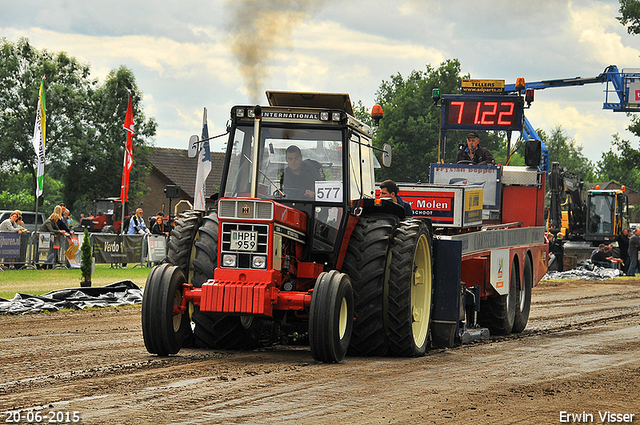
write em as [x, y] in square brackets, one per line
[410, 289]
[523, 300]
[331, 317]
[366, 263]
[163, 328]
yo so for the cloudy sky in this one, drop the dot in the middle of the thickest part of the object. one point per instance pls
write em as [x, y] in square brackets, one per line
[192, 54]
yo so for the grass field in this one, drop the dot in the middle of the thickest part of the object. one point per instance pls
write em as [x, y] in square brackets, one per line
[38, 282]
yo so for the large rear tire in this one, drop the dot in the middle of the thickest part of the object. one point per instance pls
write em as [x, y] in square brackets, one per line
[218, 331]
[182, 238]
[164, 329]
[523, 300]
[366, 263]
[498, 313]
[331, 317]
[410, 289]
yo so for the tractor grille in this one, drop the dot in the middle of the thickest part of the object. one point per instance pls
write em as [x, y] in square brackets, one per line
[245, 209]
[245, 254]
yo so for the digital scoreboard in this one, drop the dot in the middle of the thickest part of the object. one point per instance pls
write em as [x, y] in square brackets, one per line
[482, 112]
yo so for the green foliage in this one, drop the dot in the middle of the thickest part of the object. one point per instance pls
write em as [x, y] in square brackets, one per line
[411, 123]
[86, 261]
[85, 137]
[620, 164]
[17, 192]
[630, 10]
[567, 153]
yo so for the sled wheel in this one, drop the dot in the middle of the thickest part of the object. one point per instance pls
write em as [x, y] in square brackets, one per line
[523, 301]
[331, 317]
[498, 313]
[163, 328]
[410, 289]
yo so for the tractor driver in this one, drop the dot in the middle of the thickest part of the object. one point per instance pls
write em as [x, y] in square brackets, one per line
[474, 153]
[300, 176]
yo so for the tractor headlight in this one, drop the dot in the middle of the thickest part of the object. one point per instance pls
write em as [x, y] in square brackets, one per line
[240, 113]
[259, 262]
[336, 116]
[229, 260]
[324, 116]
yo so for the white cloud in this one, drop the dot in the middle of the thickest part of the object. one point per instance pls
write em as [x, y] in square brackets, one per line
[594, 28]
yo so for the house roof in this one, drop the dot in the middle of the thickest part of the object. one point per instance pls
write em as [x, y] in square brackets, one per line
[175, 166]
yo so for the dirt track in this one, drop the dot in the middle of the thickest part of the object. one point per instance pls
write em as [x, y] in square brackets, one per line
[579, 354]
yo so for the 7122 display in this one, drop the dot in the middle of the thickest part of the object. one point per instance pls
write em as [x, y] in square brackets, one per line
[469, 112]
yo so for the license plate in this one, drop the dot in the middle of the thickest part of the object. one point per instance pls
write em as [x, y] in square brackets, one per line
[244, 240]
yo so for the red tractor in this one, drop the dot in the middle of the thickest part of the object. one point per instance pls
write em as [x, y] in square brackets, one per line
[105, 216]
[276, 259]
[299, 248]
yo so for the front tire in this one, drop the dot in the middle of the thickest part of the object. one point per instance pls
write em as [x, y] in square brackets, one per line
[410, 289]
[164, 329]
[331, 317]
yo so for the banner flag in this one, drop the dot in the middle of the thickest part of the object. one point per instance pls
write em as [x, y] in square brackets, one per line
[128, 154]
[204, 168]
[39, 139]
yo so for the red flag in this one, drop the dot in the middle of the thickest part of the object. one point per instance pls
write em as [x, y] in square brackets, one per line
[128, 154]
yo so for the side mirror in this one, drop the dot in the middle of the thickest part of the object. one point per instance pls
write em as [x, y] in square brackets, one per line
[192, 148]
[386, 155]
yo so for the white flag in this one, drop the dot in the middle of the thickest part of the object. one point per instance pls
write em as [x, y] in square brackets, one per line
[204, 168]
[39, 139]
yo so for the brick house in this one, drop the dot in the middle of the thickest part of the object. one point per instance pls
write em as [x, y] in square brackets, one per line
[174, 167]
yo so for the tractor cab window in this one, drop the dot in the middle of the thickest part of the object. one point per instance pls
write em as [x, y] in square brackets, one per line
[294, 164]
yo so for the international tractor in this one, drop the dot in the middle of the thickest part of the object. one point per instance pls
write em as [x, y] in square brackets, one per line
[314, 256]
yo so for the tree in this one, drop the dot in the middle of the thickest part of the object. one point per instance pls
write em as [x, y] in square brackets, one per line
[411, 123]
[93, 159]
[84, 134]
[630, 10]
[567, 153]
[620, 166]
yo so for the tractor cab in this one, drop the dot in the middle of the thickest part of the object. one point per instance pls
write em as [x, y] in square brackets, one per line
[312, 155]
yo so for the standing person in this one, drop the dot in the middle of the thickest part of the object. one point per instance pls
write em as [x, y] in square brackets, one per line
[623, 244]
[389, 189]
[51, 226]
[556, 246]
[634, 246]
[11, 224]
[137, 225]
[474, 153]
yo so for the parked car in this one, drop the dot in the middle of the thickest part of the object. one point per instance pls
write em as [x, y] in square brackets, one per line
[29, 218]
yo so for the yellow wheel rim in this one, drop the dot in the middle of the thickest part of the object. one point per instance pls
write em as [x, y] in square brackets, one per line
[342, 324]
[421, 286]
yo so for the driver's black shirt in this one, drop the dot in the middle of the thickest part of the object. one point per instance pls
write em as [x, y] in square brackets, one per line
[481, 157]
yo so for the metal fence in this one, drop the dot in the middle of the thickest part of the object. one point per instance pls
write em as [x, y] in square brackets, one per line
[47, 250]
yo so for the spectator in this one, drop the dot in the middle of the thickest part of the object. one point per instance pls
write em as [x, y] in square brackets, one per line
[160, 228]
[137, 225]
[604, 259]
[51, 226]
[11, 224]
[389, 189]
[623, 244]
[634, 246]
[62, 224]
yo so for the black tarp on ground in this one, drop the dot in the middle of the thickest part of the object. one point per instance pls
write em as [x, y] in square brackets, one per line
[120, 293]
